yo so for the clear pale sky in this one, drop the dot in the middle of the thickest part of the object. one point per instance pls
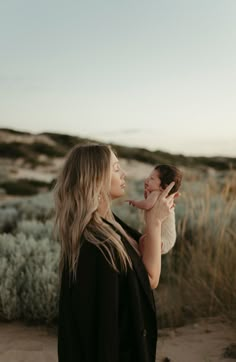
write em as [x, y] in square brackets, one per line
[159, 74]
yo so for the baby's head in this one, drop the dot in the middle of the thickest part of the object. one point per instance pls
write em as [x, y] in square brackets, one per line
[167, 174]
[162, 176]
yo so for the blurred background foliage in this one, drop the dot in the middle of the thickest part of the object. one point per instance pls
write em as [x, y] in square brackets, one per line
[198, 276]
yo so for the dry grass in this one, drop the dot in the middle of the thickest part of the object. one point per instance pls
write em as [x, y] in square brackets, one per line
[199, 275]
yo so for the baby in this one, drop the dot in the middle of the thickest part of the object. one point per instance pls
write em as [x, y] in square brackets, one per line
[157, 181]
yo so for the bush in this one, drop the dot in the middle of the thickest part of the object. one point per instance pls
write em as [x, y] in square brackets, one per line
[38, 207]
[28, 278]
[13, 254]
[8, 219]
[20, 187]
[44, 148]
[12, 150]
[64, 140]
[39, 295]
[37, 229]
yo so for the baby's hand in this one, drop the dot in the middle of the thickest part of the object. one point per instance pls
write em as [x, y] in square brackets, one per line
[131, 202]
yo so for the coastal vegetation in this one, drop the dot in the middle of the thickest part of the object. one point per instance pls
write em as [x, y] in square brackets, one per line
[198, 276]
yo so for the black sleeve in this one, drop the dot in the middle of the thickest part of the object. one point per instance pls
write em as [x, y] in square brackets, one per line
[95, 302]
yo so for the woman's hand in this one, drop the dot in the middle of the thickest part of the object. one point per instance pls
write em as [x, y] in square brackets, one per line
[162, 207]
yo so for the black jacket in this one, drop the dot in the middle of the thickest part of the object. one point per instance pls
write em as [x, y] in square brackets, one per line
[107, 316]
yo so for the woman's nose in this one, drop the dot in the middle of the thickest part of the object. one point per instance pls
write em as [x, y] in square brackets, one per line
[123, 173]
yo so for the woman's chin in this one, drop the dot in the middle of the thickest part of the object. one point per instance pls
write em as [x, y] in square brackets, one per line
[118, 195]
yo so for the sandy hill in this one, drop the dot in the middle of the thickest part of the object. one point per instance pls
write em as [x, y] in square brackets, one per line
[29, 162]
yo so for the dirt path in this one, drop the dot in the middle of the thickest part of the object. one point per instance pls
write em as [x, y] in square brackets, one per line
[21, 343]
[201, 342]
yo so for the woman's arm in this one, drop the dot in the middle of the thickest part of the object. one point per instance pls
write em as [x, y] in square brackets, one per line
[151, 255]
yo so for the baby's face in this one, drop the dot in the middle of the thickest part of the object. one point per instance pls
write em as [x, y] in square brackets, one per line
[152, 182]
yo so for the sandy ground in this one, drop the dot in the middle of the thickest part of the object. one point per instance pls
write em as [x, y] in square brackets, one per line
[202, 342]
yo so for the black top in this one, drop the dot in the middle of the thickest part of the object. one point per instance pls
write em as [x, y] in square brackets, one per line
[106, 316]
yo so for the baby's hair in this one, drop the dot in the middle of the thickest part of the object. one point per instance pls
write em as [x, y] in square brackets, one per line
[167, 174]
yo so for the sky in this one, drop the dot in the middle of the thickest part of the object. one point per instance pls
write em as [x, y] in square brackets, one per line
[159, 74]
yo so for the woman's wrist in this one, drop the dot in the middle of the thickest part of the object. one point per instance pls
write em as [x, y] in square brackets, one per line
[153, 222]
[153, 228]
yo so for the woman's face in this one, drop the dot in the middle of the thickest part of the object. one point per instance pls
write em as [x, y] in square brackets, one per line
[152, 182]
[117, 188]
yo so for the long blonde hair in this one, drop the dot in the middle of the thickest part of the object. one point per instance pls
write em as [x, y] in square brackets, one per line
[82, 182]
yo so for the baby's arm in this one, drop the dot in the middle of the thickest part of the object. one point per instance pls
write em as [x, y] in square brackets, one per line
[147, 203]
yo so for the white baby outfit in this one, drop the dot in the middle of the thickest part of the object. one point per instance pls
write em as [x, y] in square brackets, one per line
[168, 233]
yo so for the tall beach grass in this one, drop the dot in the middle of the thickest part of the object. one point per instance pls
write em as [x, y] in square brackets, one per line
[198, 276]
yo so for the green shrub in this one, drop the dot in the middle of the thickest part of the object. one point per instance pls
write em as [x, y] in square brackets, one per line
[38, 207]
[12, 150]
[37, 229]
[28, 278]
[20, 187]
[64, 140]
[37, 183]
[8, 219]
[39, 295]
[46, 149]
[13, 255]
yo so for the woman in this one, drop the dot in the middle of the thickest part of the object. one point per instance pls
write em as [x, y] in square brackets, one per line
[106, 306]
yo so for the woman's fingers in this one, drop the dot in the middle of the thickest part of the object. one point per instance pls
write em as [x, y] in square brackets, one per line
[172, 197]
[177, 194]
[163, 205]
[165, 193]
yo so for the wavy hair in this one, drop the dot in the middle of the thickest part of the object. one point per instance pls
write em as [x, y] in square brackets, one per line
[84, 180]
